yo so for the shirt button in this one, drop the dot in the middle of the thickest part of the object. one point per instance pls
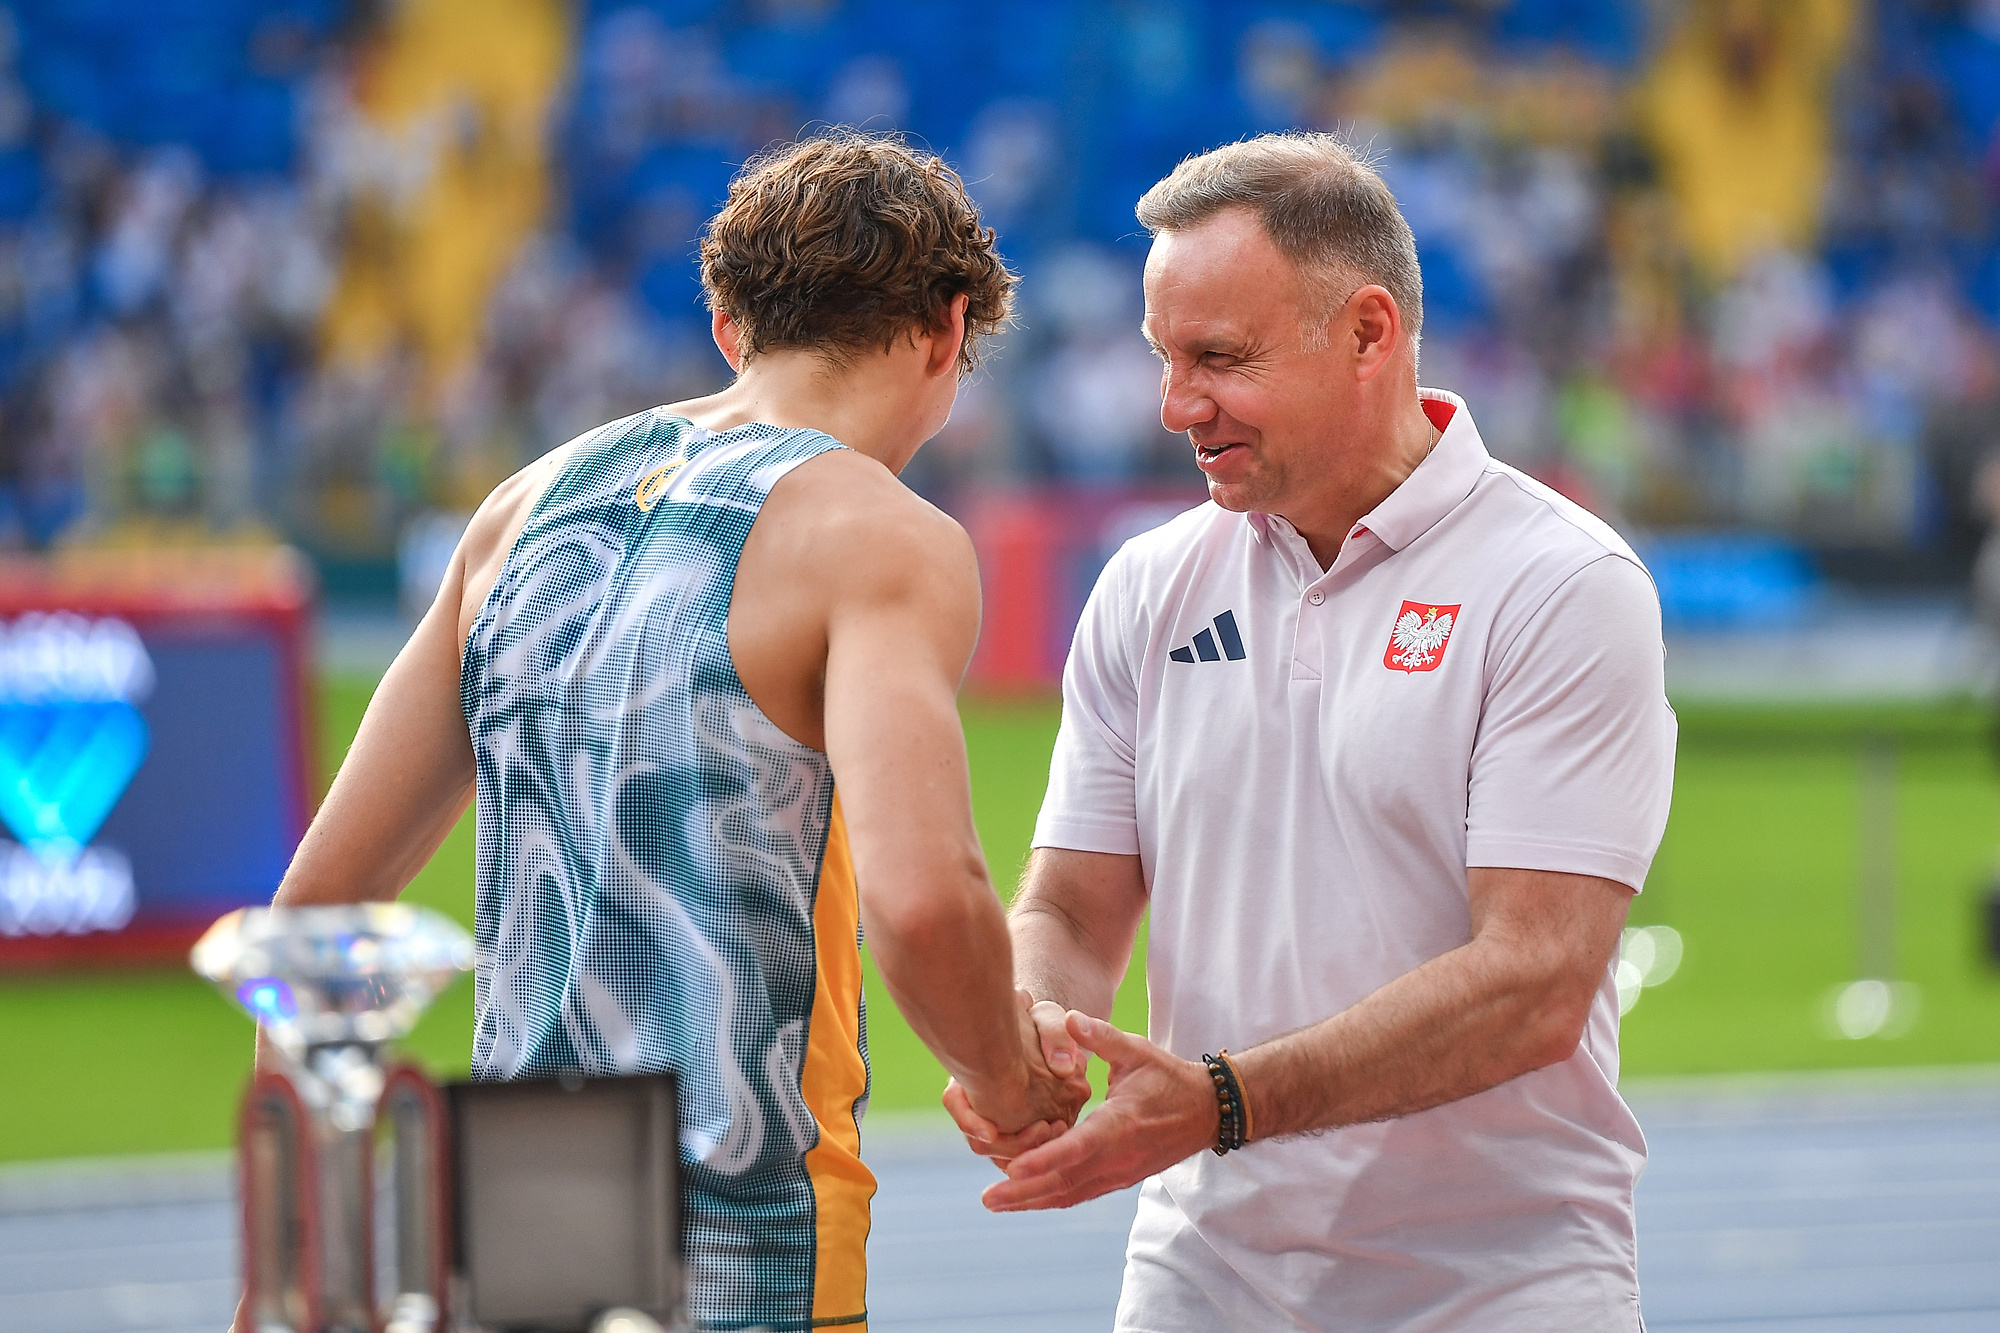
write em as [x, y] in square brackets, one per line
[1315, 597]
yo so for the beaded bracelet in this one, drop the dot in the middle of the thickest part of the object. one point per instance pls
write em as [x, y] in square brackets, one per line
[1233, 1118]
[1242, 1096]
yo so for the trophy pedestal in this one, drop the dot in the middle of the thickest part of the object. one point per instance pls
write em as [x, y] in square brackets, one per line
[309, 1224]
[331, 987]
[523, 1205]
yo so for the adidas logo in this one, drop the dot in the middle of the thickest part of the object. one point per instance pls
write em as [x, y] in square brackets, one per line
[1204, 649]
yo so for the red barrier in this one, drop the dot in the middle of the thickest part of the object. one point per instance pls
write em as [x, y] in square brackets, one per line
[1040, 553]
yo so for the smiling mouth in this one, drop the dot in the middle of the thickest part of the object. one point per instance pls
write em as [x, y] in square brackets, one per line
[1208, 453]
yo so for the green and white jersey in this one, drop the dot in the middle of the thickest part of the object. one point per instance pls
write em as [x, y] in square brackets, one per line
[663, 878]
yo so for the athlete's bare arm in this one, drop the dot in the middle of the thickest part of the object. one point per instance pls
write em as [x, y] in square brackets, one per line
[855, 613]
[1513, 999]
[408, 777]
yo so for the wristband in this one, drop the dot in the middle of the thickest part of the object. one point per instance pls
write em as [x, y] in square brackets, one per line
[1242, 1096]
[1233, 1112]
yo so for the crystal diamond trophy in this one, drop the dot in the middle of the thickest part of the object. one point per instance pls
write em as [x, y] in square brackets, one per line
[331, 987]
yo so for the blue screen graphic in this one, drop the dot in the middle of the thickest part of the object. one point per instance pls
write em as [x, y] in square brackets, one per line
[63, 765]
[208, 819]
[148, 778]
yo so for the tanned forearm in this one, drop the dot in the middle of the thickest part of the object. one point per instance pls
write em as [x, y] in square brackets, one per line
[1053, 963]
[1511, 1001]
[931, 917]
[405, 783]
[1445, 1031]
[933, 922]
[945, 959]
[1074, 921]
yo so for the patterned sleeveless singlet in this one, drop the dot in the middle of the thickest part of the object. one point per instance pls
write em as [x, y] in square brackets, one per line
[663, 880]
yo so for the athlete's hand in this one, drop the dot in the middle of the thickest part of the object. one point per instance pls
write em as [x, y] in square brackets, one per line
[1160, 1110]
[1056, 1091]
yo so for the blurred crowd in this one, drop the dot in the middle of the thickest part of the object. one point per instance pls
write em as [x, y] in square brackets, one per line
[327, 268]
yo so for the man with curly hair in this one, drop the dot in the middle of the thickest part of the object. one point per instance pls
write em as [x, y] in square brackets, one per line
[699, 668]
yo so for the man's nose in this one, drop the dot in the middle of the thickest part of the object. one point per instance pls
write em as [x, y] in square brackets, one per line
[1182, 406]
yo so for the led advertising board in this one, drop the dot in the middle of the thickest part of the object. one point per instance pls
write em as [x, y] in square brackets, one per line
[155, 770]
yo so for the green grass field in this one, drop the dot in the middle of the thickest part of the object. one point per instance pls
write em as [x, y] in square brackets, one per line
[1757, 872]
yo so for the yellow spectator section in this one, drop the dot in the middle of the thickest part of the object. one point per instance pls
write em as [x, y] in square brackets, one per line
[1737, 107]
[446, 171]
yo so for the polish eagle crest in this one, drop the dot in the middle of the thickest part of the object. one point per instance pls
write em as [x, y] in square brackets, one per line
[1418, 638]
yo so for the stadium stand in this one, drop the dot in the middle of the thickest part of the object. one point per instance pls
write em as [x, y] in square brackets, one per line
[316, 269]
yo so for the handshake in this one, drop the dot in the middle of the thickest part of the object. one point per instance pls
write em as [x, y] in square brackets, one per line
[1159, 1109]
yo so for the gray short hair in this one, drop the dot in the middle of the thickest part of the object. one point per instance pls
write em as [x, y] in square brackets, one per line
[1322, 204]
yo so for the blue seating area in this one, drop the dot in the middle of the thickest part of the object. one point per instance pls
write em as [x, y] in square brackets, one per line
[214, 75]
[1936, 76]
[182, 183]
[1061, 114]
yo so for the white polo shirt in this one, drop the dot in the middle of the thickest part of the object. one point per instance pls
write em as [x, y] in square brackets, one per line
[1306, 762]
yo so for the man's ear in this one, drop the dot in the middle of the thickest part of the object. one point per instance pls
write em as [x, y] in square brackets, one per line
[947, 339]
[1374, 327]
[728, 335]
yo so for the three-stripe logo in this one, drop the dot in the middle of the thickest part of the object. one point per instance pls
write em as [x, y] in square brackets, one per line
[1204, 646]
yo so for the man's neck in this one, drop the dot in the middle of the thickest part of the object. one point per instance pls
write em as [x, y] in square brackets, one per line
[1326, 521]
[864, 404]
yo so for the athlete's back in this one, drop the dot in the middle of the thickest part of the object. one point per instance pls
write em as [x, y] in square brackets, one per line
[664, 882]
[700, 666]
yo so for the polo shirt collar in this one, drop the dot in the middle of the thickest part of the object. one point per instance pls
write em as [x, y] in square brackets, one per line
[1445, 477]
[1440, 482]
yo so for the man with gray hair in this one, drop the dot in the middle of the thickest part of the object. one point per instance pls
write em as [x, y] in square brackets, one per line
[1379, 737]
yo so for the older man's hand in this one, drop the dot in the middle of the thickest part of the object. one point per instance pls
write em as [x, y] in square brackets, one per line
[1160, 1110]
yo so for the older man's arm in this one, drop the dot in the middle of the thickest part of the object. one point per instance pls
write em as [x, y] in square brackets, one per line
[1074, 921]
[1513, 999]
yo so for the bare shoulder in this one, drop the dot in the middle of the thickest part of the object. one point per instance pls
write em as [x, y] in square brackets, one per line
[482, 551]
[847, 520]
[846, 565]
[504, 512]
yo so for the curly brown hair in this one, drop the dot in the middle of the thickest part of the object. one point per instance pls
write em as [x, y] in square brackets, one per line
[847, 241]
